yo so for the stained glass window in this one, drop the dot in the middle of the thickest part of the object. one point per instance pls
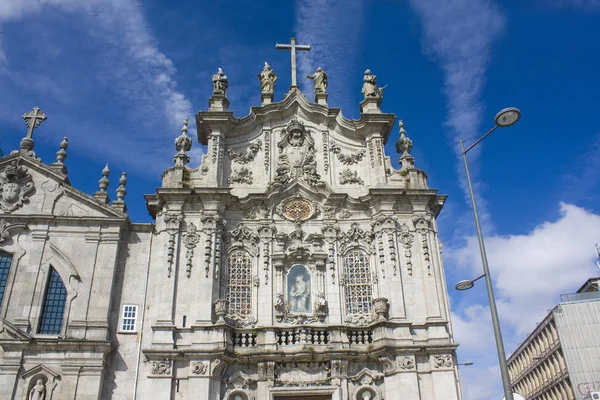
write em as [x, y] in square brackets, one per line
[5, 262]
[358, 283]
[239, 292]
[54, 305]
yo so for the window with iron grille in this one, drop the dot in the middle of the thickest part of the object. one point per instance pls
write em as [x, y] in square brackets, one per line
[358, 283]
[128, 319]
[54, 305]
[5, 263]
[239, 288]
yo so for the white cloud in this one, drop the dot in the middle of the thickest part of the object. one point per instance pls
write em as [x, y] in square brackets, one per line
[331, 27]
[125, 60]
[529, 272]
[459, 35]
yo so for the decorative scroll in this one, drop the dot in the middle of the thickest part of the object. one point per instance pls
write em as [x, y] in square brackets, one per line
[190, 239]
[162, 367]
[240, 158]
[442, 360]
[406, 362]
[199, 368]
[346, 158]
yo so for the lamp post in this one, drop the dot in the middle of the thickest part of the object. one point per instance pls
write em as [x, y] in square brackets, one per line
[505, 118]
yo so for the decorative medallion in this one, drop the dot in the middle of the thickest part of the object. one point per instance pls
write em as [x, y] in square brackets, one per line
[16, 185]
[296, 209]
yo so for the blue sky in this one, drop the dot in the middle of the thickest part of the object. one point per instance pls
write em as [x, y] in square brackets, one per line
[118, 77]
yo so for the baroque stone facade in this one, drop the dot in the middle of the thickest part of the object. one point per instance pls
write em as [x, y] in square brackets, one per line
[295, 260]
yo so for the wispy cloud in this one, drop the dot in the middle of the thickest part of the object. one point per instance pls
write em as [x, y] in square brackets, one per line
[122, 68]
[459, 35]
[333, 28]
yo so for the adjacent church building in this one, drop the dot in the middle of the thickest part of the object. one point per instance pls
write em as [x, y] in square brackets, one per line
[295, 262]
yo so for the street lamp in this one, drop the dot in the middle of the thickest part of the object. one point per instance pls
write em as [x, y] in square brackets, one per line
[467, 363]
[505, 118]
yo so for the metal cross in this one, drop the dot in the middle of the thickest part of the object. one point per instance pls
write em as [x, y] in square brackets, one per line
[293, 46]
[33, 119]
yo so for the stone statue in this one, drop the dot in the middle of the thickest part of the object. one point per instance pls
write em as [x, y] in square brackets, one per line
[370, 88]
[320, 80]
[38, 392]
[220, 83]
[267, 79]
[300, 294]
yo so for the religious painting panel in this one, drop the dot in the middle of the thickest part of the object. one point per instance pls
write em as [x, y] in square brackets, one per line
[299, 286]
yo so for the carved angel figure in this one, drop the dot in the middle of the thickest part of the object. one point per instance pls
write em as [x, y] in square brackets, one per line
[220, 83]
[319, 80]
[267, 79]
[38, 392]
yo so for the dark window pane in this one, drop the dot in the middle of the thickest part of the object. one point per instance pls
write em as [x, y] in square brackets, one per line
[54, 305]
[5, 261]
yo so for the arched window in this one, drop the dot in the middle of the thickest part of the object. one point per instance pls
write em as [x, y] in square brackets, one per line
[54, 305]
[239, 288]
[358, 283]
[5, 262]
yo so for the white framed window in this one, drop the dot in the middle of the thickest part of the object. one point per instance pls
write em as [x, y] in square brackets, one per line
[129, 318]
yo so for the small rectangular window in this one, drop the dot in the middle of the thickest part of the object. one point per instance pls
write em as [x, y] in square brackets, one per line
[128, 321]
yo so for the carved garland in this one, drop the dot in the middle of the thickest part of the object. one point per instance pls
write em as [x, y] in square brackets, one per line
[173, 223]
[190, 239]
[267, 150]
[379, 152]
[346, 159]
[371, 154]
[249, 156]
[381, 253]
[422, 223]
[331, 233]
[407, 238]
[325, 137]
[210, 228]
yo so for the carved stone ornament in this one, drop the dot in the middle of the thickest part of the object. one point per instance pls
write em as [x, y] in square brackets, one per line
[348, 177]
[380, 307]
[243, 236]
[242, 175]
[296, 209]
[297, 156]
[239, 380]
[241, 158]
[346, 158]
[442, 360]
[387, 363]
[360, 319]
[16, 186]
[282, 312]
[406, 362]
[320, 306]
[162, 367]
[407, 239]
[5, 228]
[172, 224]
[218, 367]
[355, 235]
[221, 306]
[199, 367]
[190, 240]
[366, 376]
[312, 373]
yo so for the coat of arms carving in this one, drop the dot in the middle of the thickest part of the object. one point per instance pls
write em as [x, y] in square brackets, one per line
[16, 185]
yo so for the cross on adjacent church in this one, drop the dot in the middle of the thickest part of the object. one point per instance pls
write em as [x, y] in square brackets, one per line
[293, 46]
[33, 119]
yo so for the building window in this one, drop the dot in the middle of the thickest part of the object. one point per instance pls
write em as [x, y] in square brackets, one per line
[5, 263]
[358, 283]
[239, 291]
[54, 305]
[129, 318]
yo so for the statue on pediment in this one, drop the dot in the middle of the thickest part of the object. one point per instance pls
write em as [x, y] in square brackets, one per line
[220, 83]
[370, 88]
[267, 79]
[319, 80]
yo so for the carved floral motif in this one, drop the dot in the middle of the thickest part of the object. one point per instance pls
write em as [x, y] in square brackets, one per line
[199, 368]
[407, 239]
[242, 175]
[162, 367]
[16, 186]
[348, 177]
[442, 360]
[406, 362]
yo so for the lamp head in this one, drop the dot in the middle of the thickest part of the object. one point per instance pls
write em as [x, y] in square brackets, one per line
[507, 117]
[464, 285]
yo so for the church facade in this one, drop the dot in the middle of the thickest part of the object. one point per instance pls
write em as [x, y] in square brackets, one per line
[294, 263]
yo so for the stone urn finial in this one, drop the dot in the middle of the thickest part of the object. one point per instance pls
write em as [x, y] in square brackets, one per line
[221, 310]
[380, 307]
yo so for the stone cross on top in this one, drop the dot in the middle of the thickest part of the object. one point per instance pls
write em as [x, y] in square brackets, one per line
[33, 119]
[293, 46]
